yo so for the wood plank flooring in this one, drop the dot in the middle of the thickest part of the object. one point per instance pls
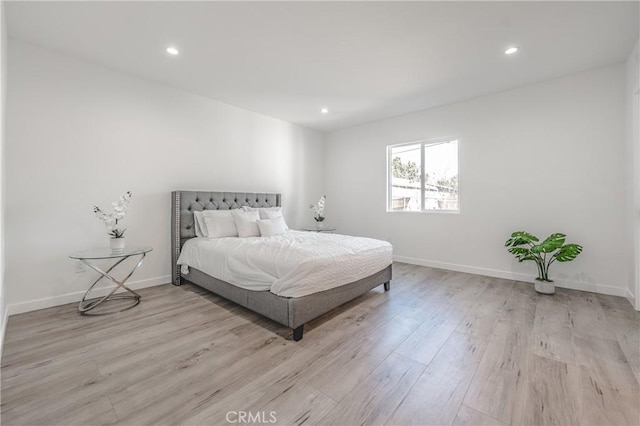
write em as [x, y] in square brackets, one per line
[440, 348]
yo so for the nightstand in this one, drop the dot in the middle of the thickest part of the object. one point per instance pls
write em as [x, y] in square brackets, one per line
[326, 229]
[90, 257]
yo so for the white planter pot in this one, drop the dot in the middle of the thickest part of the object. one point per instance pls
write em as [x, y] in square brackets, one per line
[545, 287]
[117, 244]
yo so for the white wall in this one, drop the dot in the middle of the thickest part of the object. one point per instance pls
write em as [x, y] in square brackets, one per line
[543, 158]
[3, 92]
[633, 171]
[80, 134]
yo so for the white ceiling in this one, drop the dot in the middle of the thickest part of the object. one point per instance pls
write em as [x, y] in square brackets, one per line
[363, 60]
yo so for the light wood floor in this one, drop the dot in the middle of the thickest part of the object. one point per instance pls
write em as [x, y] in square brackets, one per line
[439, 348]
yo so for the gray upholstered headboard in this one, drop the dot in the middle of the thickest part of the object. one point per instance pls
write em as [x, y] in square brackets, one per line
[184, 203]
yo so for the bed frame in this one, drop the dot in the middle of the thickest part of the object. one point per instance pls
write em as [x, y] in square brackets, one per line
[292, 312]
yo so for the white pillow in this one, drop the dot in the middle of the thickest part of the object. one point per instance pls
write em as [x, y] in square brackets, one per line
[198, 222]
[270, 214]
[219, 223]
[246, 223]
[270, 227]
[263, 211]
[275, 214]
[267, 212]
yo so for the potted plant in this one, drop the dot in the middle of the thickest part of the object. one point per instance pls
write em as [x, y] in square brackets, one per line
[525, 247]
[117, 241]
[318, 209]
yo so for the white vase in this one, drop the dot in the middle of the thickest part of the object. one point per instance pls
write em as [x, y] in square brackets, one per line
[545, 287]
[117, 244]
[319, 225]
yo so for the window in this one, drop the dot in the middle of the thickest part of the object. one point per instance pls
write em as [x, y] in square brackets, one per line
[423, 176]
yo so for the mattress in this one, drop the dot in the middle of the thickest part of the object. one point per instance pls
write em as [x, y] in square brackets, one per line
[293, 264]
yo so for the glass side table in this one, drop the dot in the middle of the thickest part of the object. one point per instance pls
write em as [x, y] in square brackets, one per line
[89, 256]
[325, 228]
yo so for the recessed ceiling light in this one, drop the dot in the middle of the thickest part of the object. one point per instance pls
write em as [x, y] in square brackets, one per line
[172, 50]
[511, 50]
[324, 111]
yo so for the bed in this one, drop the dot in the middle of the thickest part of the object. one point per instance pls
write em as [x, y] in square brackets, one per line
[292, 312]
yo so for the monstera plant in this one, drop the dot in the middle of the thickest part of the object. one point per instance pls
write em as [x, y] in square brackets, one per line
[528, 247]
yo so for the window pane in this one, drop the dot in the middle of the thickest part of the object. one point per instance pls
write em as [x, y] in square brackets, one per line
[405, 178]
[441, 176]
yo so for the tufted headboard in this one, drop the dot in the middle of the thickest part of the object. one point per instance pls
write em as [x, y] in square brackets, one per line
[184, 203]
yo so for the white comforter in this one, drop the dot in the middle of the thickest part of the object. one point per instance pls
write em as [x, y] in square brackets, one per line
[293, 264]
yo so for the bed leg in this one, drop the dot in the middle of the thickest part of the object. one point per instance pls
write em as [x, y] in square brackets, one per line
[387, 286]
[297, 332]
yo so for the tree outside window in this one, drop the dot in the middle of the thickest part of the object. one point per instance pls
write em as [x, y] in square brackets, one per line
[424, 176]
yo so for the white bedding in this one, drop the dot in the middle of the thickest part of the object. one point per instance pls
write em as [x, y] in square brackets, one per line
[292, 264]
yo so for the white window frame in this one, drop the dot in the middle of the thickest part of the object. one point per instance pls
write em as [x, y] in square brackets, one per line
[422, 182]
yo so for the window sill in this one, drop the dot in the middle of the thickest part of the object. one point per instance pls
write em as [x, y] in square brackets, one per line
[424, 211]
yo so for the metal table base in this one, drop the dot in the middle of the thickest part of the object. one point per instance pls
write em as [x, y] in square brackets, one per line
[86, 304]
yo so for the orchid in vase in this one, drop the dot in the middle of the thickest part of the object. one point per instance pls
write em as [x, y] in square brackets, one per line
[111, 220]
[318, 209]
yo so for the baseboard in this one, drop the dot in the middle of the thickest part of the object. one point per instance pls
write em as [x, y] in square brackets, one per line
[34, 305]
[573, 285]
[631, 298]
[5, 319]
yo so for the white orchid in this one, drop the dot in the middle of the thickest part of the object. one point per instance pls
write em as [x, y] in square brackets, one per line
[318, 209]
[111, 219]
